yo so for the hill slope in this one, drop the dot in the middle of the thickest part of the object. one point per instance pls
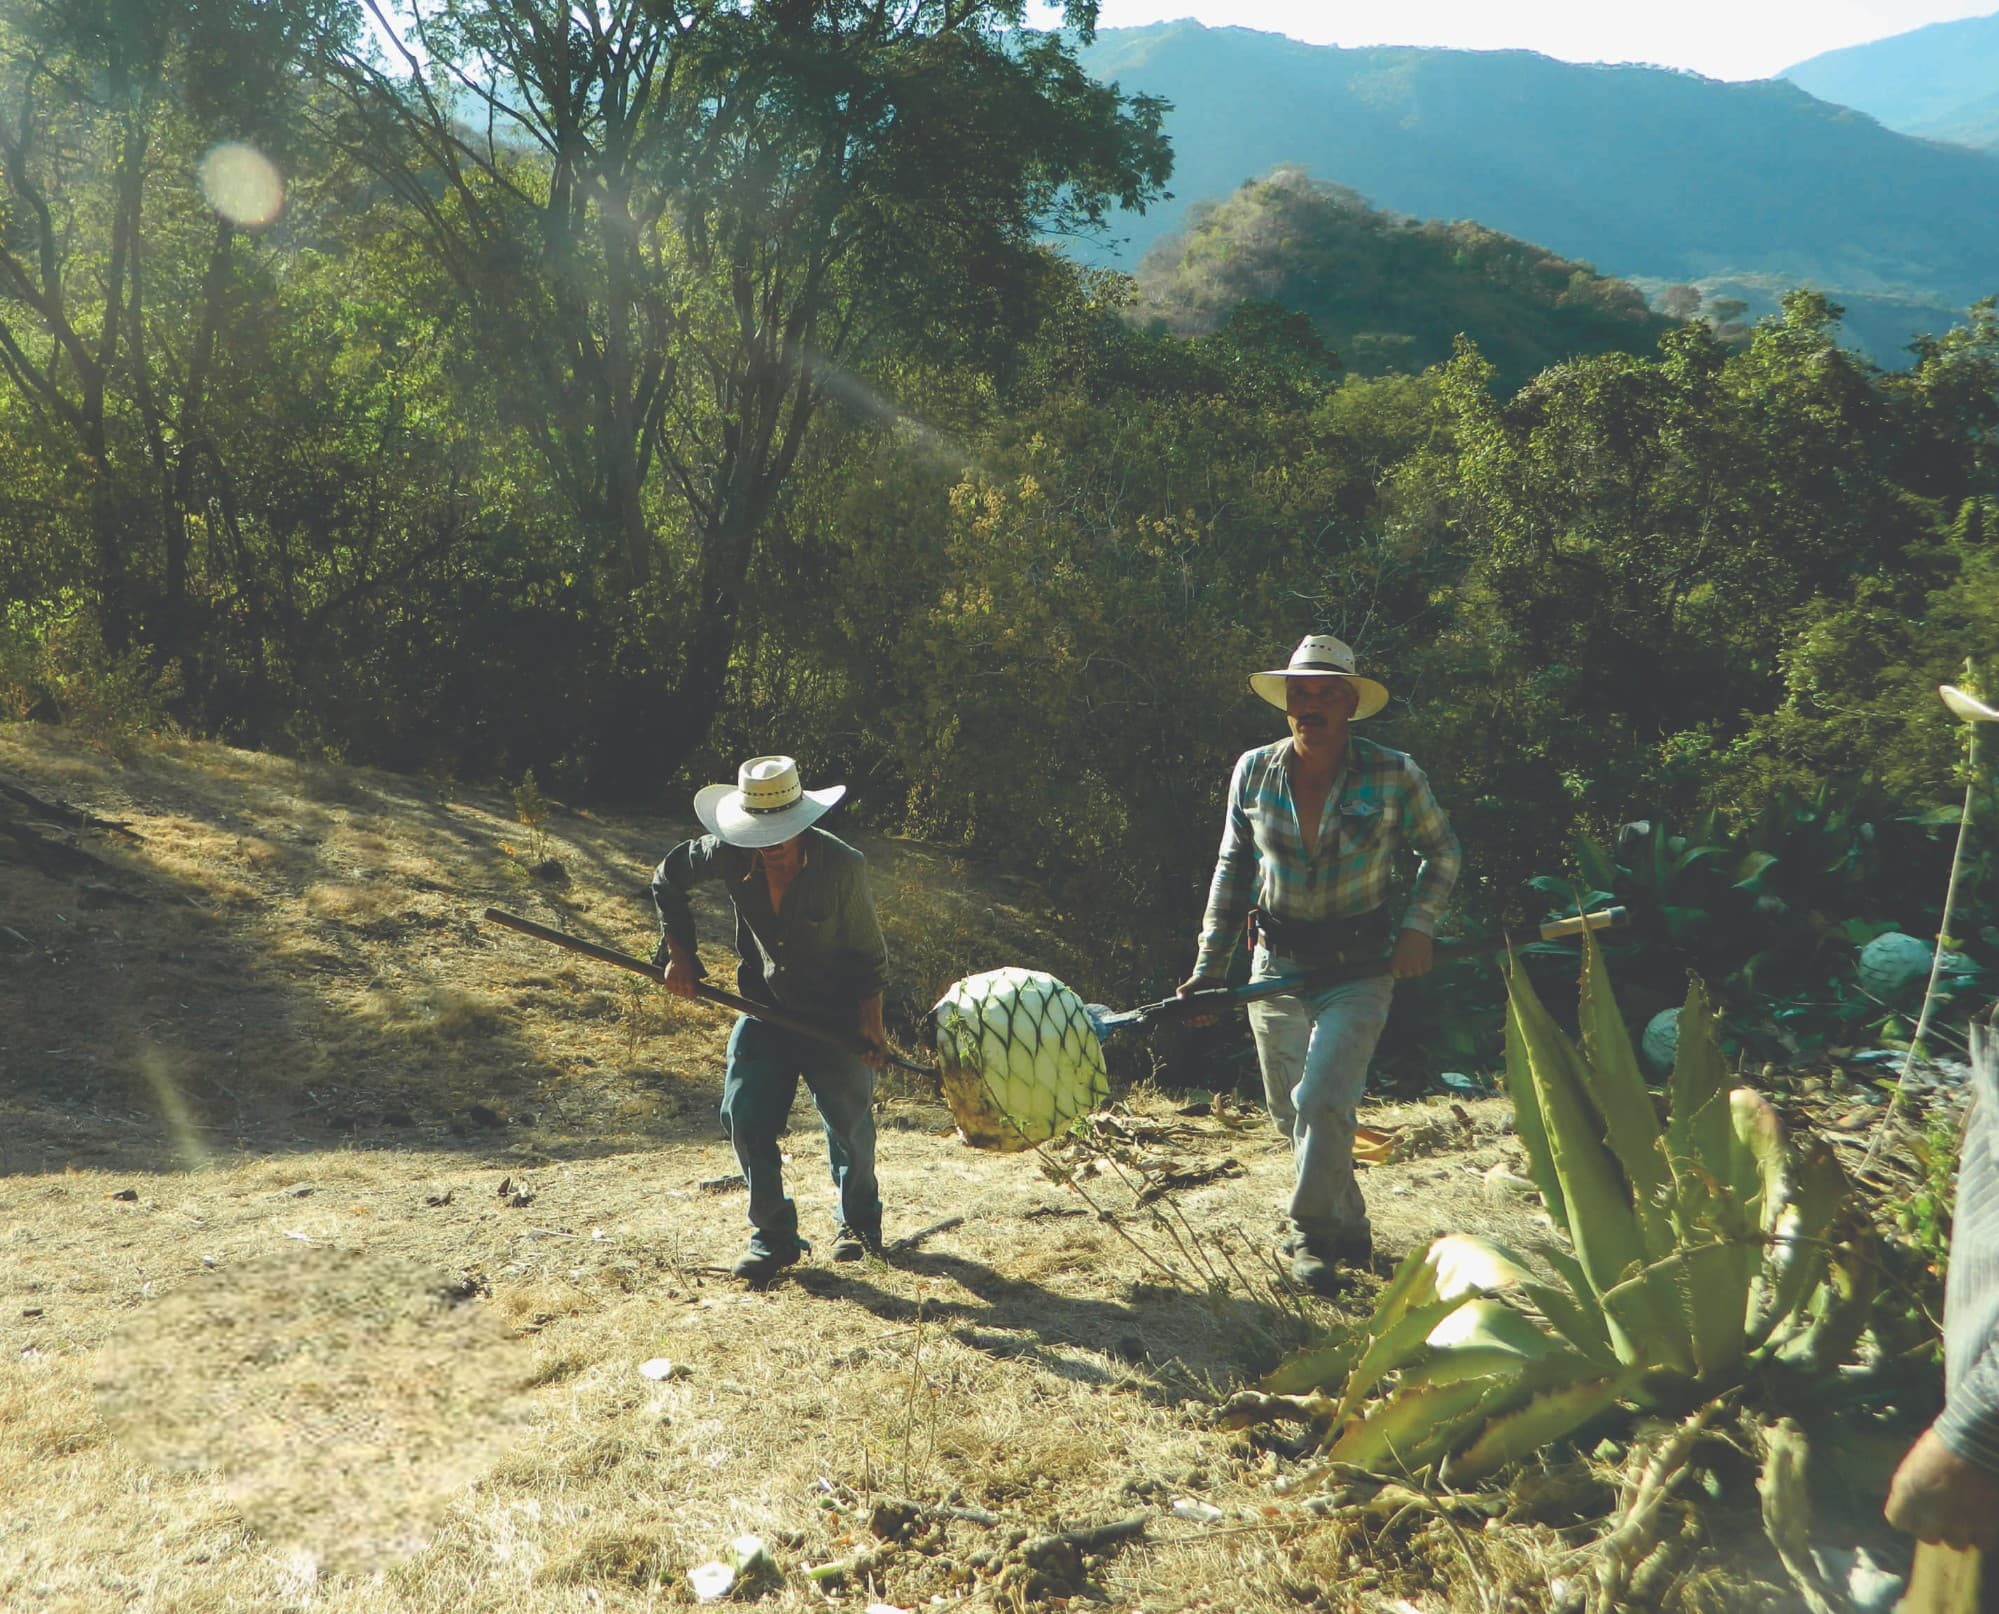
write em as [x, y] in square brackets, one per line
[1388, 293]
[1940, 82]
[363, 1257]
[1639, 171]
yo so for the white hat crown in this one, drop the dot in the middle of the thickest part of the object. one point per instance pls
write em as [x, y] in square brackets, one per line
[768, 784]
[1321, 653]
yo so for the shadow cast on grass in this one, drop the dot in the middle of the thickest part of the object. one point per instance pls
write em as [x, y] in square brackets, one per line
[1160, 1343]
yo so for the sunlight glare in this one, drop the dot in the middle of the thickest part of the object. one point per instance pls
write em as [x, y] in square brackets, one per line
[242, 184]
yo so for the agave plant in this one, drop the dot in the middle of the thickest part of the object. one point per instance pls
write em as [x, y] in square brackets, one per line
[1693, 1255]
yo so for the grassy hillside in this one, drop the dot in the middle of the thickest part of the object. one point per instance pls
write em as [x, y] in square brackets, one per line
[339, 1226]
[1640, 171]
[363, 1258]
[1936, 82]
[1388, 293]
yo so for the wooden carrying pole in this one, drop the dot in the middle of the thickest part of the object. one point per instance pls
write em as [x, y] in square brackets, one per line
[1223, 997]
[849, 1040]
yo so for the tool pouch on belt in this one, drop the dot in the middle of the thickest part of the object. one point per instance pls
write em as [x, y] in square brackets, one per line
[1347, 939]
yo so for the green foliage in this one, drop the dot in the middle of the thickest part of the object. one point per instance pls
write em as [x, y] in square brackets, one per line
[1776, 911]
[56, 665]
[448, 468]
[691, 230]
[532, 808]
[1925, 1217]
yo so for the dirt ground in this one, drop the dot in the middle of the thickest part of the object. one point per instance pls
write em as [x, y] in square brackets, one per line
[356, 1254]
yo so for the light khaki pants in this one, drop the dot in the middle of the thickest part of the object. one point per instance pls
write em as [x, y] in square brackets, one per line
[1314, 1052]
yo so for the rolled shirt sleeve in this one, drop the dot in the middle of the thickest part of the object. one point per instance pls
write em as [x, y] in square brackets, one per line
[1429, 830]
[1385, 805]
[1233, 882]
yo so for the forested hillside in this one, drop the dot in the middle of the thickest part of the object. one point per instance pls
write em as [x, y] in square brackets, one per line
[1935, 82]
[454, 467]
[1644, 173]
[1387, 293]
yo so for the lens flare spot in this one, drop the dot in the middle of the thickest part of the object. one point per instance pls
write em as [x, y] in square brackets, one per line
[242, 184]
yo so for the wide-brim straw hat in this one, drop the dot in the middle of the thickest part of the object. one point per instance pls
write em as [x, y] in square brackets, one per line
[766, 805]
[1320, 655]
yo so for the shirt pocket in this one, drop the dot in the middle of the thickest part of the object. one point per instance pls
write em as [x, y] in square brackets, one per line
[1363, 829]
[810, 935]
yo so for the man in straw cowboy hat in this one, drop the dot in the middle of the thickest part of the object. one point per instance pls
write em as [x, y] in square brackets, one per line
[809, 943]
[1308, 849]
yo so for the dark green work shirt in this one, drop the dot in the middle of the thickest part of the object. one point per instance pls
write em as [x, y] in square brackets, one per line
[821, 955]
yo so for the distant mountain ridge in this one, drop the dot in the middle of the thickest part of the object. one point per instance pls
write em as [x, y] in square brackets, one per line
[1940, 82]
[1644, 173]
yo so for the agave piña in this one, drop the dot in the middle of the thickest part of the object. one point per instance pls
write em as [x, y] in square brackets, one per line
[1019, 1057]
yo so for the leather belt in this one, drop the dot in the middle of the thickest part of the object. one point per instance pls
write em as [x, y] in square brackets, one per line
[1343, 939]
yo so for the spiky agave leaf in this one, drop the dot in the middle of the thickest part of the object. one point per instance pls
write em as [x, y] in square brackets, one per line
[1648, 1324]
[1329, 1367]
[1798, 1255]
[1483, 1337]
[1570, 1398]
[1019, 1058]
[1456, 1268]
[1573, 1310]
[1841, 1306]
[1475, 1381]
[1434, 1412]
[1697, 1123]
[1529, 1123]
[1414, 1427]
[1716, 1200]
[1618, 1093]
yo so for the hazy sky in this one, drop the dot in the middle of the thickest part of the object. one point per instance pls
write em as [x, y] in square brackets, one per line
[1721, 38]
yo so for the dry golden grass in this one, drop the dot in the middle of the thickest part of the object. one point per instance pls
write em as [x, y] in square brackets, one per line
[336, 1227]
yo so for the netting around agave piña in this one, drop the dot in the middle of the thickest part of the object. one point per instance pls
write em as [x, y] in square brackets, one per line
[1019, 1058]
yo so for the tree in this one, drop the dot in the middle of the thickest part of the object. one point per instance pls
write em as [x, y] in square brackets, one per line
[116, 283]
[681, 231]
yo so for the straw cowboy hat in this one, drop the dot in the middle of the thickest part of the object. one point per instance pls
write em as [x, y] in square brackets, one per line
[765, 806]
[1320, 655]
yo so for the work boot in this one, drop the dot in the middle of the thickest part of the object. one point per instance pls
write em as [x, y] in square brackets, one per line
[851, 1243]
[758, 1267]
[1326, 1266]
[1349, 1249]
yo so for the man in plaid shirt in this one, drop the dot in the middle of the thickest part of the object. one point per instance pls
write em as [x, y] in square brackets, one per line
[1308, 851]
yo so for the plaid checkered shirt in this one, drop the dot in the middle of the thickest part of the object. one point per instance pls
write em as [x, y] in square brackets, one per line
[1382, 803]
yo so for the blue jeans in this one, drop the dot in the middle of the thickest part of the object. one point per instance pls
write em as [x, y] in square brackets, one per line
[1314, 1052]
[765, 1065]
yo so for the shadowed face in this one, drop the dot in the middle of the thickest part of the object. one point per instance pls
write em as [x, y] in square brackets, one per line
[1318, 710]
[784, 859]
